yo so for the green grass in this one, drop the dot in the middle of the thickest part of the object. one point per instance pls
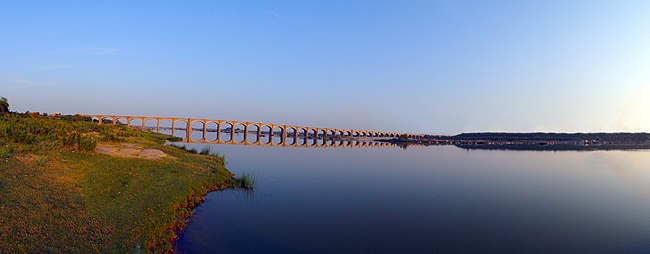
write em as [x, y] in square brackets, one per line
[58, 196]
[246, 181]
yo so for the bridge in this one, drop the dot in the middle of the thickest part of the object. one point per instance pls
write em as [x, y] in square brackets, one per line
[254, 132]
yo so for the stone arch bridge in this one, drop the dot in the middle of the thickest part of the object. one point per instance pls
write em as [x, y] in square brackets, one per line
[254, 132]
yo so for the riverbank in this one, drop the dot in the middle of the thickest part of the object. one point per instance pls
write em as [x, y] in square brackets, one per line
[534, 141]
[58, 195]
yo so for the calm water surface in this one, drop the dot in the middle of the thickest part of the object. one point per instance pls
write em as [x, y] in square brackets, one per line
[426, 200]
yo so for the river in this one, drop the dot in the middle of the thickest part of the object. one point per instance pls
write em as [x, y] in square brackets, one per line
[439, 199]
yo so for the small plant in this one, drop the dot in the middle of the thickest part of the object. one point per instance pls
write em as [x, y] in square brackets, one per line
[246, 181]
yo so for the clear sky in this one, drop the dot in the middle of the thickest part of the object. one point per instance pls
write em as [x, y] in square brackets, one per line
[413, 66]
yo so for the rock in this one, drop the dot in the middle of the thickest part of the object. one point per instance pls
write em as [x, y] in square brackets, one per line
[128, 152]
[152, 154]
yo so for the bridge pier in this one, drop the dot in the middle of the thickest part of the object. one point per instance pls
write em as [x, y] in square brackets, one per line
[218, 131]
[173, 126]
[188, 130]
[232, 132]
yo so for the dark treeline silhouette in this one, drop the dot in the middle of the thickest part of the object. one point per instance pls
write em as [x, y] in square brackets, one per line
[534, 141]
[567, 137]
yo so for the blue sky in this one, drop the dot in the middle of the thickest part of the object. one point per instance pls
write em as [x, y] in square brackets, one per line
[412, 66]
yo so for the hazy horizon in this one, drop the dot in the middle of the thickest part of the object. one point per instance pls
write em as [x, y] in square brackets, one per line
[438, 67]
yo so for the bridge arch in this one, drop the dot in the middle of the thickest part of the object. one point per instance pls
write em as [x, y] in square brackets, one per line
[121, 120]
[179, 128]
[106, 120]
[302, 136]
[330, 137]
[211, 131]
[252, 133]
[266, 132]
[321, 137]
[312, 137]
[240, 134]
[151, 124]
[291, 135]
[165, 126]
[278, 135]
[195, 129]
[225, 131]
[135, 121]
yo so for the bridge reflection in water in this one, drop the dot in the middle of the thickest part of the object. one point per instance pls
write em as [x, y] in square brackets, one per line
[254, 133]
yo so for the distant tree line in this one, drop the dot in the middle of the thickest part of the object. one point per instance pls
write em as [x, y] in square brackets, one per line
[602, 137]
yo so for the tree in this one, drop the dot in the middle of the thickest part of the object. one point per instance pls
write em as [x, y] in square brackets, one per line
[4, 105]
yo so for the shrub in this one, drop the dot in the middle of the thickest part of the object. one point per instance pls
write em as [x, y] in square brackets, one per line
[87, 143]
[71, 139]
[79, 141]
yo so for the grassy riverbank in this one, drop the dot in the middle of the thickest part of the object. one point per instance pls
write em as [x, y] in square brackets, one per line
[58, 195]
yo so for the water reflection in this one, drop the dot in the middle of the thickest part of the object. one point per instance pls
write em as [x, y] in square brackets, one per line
[251, 139]
[427, 199]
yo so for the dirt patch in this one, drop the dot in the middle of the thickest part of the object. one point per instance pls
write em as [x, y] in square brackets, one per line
[129, 150]
[27, 158]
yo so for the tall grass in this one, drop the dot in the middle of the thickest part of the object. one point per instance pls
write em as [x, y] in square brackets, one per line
[204, 151]
[246, 181]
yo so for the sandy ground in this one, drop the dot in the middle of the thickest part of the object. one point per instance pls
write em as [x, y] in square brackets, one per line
[129, 150]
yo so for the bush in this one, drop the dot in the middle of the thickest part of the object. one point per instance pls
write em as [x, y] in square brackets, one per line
[87, 143]
[71, 139]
